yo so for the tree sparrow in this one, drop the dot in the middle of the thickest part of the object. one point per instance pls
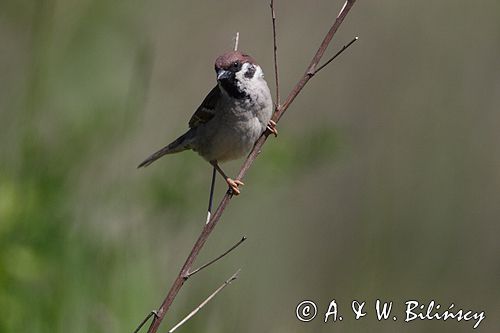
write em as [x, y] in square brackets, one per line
[230, 119]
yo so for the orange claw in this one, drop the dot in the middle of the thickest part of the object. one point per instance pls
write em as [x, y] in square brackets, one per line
[233, 185]
[272, 128]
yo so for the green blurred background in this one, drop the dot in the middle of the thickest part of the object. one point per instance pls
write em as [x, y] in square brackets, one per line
[384, 181]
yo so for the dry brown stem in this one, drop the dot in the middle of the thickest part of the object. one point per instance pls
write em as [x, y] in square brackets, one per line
[311, 69]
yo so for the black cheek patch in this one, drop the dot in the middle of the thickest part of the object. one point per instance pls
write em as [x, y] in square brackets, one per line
[250, 72]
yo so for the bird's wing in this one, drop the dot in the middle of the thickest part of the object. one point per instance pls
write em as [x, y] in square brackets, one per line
[206, 110]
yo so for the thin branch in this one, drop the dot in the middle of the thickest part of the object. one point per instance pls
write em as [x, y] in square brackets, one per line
[179, 281]
[216, 259]
[236, 41]
[335, 55]
[316, 59]
[209, 227]
[198, 308]
[275, 52]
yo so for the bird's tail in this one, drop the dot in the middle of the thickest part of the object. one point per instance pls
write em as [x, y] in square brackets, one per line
[180, 144]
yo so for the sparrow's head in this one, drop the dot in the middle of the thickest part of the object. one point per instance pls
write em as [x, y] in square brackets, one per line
[237, 73]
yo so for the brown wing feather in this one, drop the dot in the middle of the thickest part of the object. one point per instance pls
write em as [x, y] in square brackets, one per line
[206, 110]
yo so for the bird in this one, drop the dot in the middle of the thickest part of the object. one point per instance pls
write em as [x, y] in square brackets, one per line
[234, 114]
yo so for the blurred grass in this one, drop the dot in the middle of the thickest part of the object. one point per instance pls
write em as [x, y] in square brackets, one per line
[383, 182]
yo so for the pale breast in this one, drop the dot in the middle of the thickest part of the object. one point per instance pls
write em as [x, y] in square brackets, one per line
[229, 135]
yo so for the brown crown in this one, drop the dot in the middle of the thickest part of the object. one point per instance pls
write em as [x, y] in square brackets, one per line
[227, 59]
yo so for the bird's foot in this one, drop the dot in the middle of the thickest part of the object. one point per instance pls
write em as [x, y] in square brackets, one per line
[271, 127]
[233, 185]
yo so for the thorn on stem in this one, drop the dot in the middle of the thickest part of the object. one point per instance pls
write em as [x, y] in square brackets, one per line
[152, 313]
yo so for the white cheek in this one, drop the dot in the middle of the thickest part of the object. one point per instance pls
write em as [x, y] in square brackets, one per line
[240, 76]
[242, 79]
[259, 73]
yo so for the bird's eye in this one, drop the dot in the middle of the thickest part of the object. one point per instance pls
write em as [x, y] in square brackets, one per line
[235, 64]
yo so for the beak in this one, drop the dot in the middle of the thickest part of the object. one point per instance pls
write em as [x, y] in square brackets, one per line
[223, 74]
